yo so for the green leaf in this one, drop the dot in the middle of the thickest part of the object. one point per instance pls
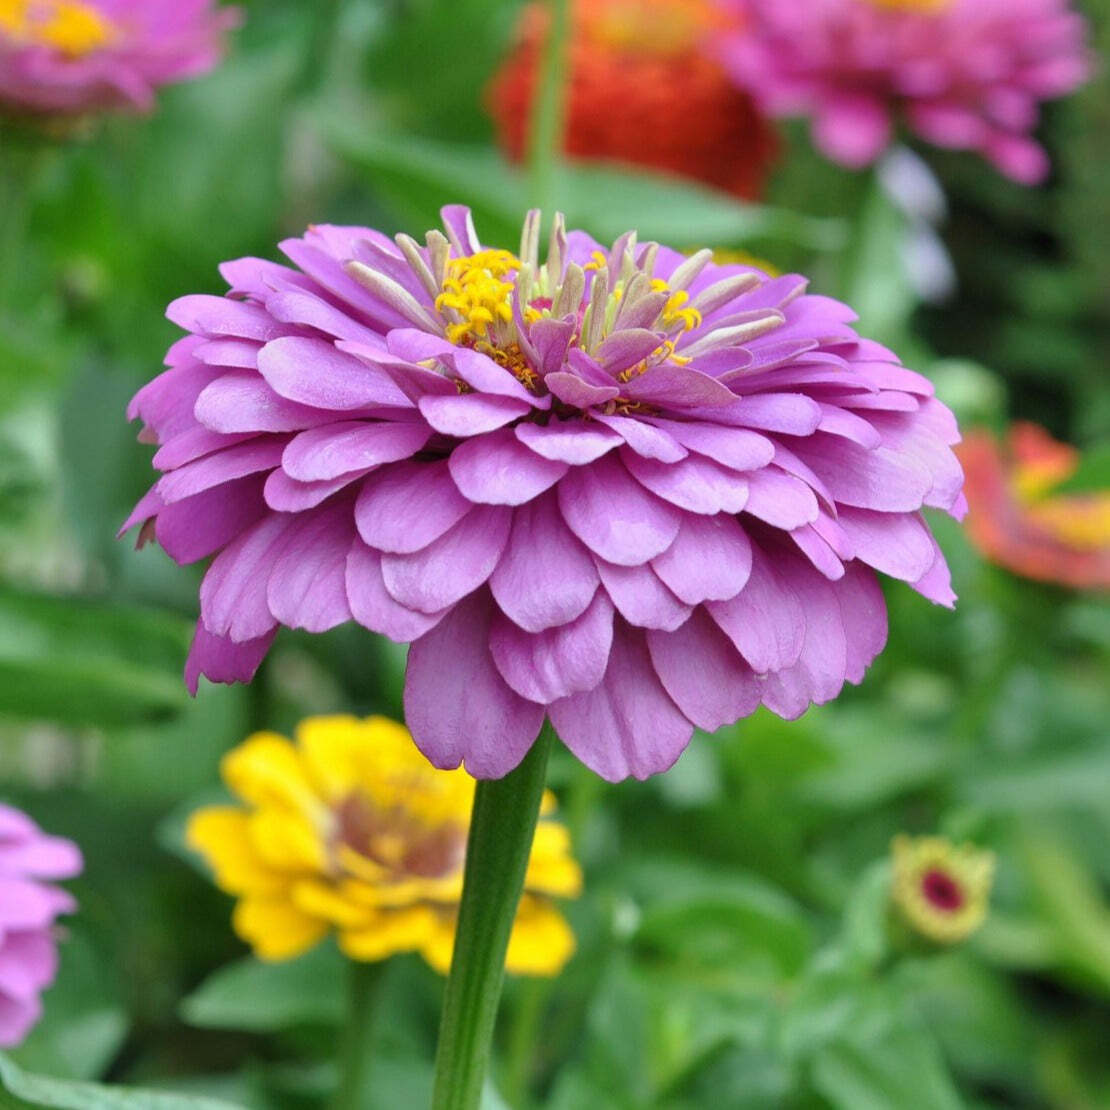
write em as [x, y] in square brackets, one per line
[263, 998]
[702, 915]
[901, 1071]
[86, 662]
[417, 176]
[20, 1089]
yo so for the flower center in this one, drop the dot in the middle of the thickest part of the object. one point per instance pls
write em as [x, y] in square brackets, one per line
[942, 891]
[69, 26]
[477, 295]
[396, 841]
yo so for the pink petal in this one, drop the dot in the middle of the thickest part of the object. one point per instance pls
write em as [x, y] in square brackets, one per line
[765, 620]
[371, 604]
[569, 441]
[710, 559]
[458, 706]
[470, 414]
[327, 452]
[405, 507]
[703, 673]
[546, 666]
[312, 372]
[641, 598]
[220, 659]
[497, 469]
[546, 577]
[696, 484]
[614, 516]
[451, 567]
[627, 725]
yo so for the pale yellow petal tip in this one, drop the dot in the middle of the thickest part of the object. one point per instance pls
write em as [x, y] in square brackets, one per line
[941, 890]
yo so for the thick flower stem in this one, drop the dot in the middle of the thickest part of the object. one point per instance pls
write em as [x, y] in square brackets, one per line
[545, 133]
[502, 828]
[363, 986]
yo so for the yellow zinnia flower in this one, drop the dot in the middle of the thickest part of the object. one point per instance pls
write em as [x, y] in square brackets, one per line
[942, 890]
[350, 829]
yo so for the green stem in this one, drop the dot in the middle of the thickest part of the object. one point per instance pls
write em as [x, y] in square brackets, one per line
[548, 108]
[502, 827]
[363, 984]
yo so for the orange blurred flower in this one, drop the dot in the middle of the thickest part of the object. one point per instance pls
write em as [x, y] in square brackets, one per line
[642, 91]
[1018, 521]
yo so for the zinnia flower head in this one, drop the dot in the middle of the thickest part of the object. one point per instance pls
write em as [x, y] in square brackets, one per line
[941, 890]
[1018, 521]
[678, 110]
[71, 57]
[349, 830]
[28, 907]
[629, 489]
[965, 74]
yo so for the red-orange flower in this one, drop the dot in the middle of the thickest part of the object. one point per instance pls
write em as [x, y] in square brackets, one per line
[1018, 521]
[642, 92]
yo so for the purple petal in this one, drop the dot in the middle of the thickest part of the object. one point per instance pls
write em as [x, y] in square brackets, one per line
[371, 604]
[233, 593]
[780, 500]
[470, 414]
[571, 441]
[881, 479]
[818, 552]
[307, 585]
[573, 391]
[546, 666]
[936, 583]
[790, 413]
[546, 577]
[627, 725]
[200, 526]
[247, 458]
[458, 706]
[641, 598]
[696, 483]
[28, 963]
[497, 469]
[702, 672]
[818, 675]
[736, 448]
[221, 660]
[765, 620]
[863, 614]
[645, 439]
[17, 1018]
[219, 316]
[898, 544]
[459, 225]
[451, 567]
[679, 387]
[614, 516]
[312, 372]
[244, 402]
[710, 560]
[485, 376]
[407, 506]
[334, 449]
[286, 495]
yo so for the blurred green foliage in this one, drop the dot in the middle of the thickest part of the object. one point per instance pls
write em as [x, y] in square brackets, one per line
[736, 948]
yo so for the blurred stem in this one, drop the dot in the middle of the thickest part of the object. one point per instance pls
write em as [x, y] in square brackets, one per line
[502, 827]
[318, 54]
[548, 108]
[363, 987]
[518, 1065]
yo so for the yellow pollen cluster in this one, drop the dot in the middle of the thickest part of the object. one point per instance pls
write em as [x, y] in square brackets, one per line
[475, 290]
[68, 26]
[675, 313]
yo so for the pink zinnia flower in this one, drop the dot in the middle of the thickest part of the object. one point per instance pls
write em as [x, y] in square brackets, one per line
[28, 907]
[966, 74]
[629, 489]
[69, 57]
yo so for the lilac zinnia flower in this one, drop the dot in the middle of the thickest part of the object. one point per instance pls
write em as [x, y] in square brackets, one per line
[629, 489]
[966, 74]
[69, 57]
[28, 907]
